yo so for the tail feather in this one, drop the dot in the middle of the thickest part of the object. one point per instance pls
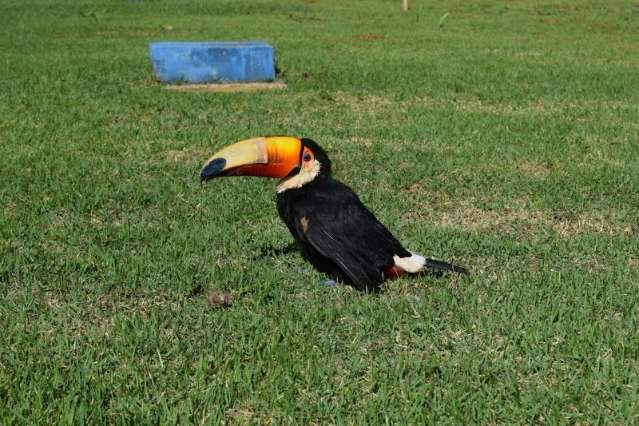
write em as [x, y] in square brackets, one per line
[439, 266]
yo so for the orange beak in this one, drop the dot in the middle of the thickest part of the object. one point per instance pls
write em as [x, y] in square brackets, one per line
[273, 156]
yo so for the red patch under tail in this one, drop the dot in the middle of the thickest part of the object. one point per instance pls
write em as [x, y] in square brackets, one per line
[393, 272]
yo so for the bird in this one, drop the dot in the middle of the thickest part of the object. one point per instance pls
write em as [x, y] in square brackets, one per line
[335, 232]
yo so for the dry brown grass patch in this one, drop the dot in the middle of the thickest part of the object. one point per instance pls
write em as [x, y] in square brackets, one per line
[112, 217]
[531, 169]
[9, 208]
[589, 223]
[52, 299]
[239, 415]
[186, 155]
[356, 140]
[473, 218]
[536, 107]
[59, 219]
[520, 219]
[363, 102]
[129, 33]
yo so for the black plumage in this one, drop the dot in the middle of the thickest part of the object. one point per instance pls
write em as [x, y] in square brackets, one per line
[337, 234]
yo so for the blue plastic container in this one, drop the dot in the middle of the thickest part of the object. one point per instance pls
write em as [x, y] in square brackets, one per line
[212, 62]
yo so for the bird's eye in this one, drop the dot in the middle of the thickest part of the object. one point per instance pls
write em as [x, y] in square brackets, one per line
[307, 156]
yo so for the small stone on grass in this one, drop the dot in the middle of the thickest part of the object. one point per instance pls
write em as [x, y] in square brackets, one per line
[217, 299]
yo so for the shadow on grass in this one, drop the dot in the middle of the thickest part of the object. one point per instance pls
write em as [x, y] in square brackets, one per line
[270, 251]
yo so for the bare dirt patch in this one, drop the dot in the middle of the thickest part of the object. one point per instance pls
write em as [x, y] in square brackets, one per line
[227, 87]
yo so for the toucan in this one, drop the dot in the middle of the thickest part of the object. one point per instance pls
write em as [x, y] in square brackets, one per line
[336, 233]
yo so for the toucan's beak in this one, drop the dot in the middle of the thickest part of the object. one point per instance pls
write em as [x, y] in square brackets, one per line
[273, 156]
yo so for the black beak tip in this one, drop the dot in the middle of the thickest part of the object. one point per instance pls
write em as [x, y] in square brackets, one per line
[212, 169]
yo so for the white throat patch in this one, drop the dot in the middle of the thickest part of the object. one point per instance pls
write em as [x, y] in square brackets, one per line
[307, 173]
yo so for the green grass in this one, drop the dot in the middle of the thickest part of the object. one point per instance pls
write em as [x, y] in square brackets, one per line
[504, 136]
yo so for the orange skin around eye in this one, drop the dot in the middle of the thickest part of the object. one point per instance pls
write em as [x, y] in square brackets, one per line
[307, 158]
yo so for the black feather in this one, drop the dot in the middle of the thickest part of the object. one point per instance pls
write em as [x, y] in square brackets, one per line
[440, 266]
[341, 238]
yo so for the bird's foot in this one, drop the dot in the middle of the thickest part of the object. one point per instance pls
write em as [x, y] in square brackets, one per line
[329, 283]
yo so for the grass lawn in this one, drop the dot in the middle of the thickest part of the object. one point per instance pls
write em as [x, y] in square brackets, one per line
[503, 136]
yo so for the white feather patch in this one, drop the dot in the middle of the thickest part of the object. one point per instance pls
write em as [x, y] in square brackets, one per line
[412, 264]
[306, 174]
